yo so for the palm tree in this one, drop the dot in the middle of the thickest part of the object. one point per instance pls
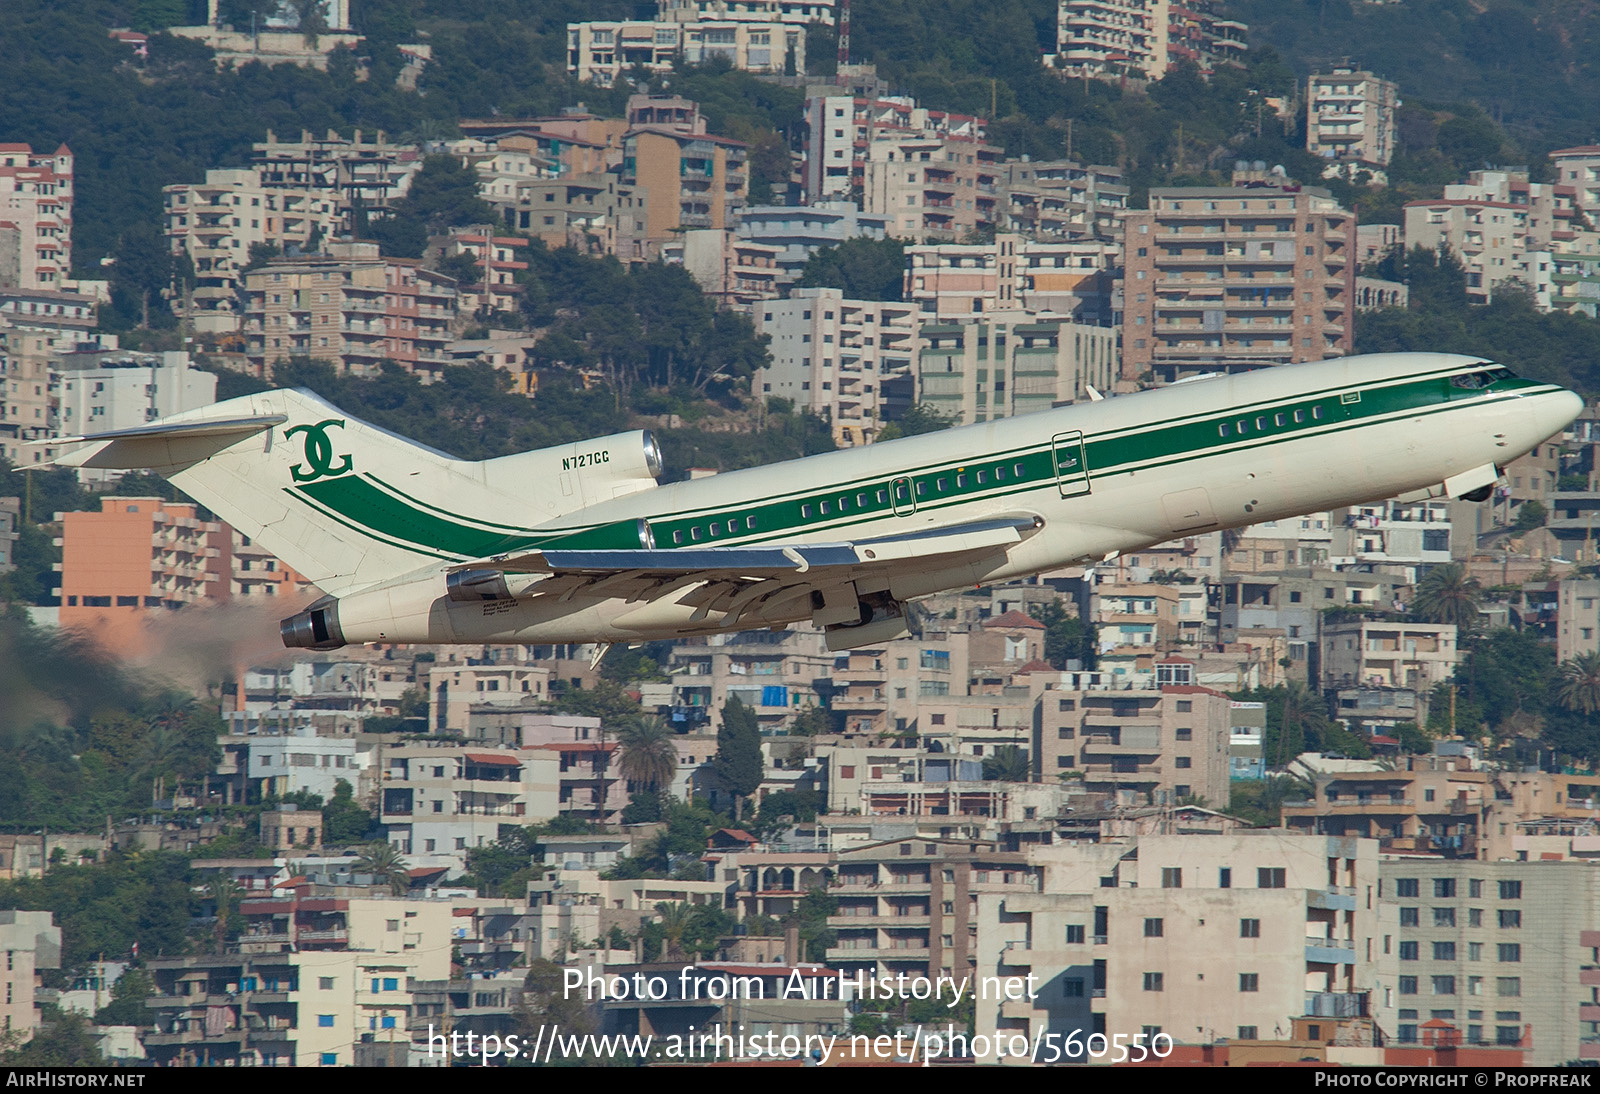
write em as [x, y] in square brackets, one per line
[384, 863]
[649, 757]
[1447, 594]
[675, 924]
[1578, 688]
[1007, 764]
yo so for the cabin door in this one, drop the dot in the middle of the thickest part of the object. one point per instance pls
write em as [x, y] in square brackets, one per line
[1072, 472]
[904, 497]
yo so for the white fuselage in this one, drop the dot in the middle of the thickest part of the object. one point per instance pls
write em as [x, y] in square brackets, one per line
[1218, 453]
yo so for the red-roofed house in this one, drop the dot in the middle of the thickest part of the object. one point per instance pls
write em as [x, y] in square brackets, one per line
[1011, 638]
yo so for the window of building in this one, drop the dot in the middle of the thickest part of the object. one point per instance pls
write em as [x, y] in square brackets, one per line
[1508, 987]
[1152, 981]
[1270, 877]
[1444, 951]
[1153, 928]
[325, 1021]
[1510, 951]
[324, 983]
[1444, 887]
[1511, 890]
[1409, 917]
[1444, 917]
[1075, 934]
[1224, 877]
[1249, 928]
[1408, 951]
[1249, 981]
[1072, 988]
[1444, 985]
[1510, 917]
[1172, 877]
[1408, 985]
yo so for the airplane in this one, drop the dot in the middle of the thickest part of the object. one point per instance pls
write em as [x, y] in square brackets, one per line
[581, 542]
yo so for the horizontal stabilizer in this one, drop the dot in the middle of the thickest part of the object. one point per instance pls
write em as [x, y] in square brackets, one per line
[163, 445]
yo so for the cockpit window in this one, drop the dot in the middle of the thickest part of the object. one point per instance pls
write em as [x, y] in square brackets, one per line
[1481, 378]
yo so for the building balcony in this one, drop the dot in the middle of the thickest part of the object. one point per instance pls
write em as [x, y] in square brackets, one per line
[1330, 951]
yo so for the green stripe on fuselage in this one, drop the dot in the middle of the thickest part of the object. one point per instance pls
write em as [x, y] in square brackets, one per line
[391, 515]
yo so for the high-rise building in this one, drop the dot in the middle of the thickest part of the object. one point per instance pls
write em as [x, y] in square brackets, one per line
[35, 217]
[842, 128]
[350, 306]
[1221, 277]
[1143, 38]
[687, 180]
[1350, 117]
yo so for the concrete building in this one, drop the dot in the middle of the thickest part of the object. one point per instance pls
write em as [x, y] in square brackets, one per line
[1579, 168]
[1430, 806]
[602, 52]
[1060, 200]
[1199, 937]
[932, 188]
[689, 180]
[907, 905]
[841, 130]
[1578, 618]
[495, 265]
[301, 760]
[1392, 537]
[734, 271]
[35, 329]
[36, 193]
[1387, 653]
[1006, 363]
[351, 307]
[800, 231]
[370, 175]
[878, 688]
[134, 555]
[1502, 951]
[446, 799]
[775, 674]
[217, 223]
[1143, 38]
[32, 943]
[798, 12]
[1350, 119]
[1233, 276]
[851, 361]
[591, 212]
[960, 280]
[1168, 742]
[1502, 228]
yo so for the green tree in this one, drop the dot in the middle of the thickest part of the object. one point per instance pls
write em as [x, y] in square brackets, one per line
[1448, 594]
[344, 821]
[649, 754]
[1531, 514]
[380, 859]
[737, 765]
[1007, 763]
[128, 995]
[1578, 685]
[922, 418]
[863, 268]
[63, 1039]
[1066, 636]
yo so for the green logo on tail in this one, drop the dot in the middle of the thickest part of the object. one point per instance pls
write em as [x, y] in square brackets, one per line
[319, 452]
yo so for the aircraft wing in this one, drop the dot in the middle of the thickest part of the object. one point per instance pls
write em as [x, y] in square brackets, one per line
[734, 578]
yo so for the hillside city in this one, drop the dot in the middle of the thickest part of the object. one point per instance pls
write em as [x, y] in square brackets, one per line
[1320, 789]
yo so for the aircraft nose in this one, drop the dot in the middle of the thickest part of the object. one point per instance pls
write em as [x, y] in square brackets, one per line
[1558, 409]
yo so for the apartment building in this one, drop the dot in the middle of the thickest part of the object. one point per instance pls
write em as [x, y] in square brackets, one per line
[591, 212]
[1143, 38]
[1579, 168]
[878, 688]
[134, 555]
[216, 224]
[908, 906]
[843, 128]
[851, 361]
[449, 798]
[1272, 546]
[495, 266]
[1502, 228]
[799, 12]
[774, 673]
[1578, 617]
[1135, 615]
[603, 52]
[800, 231]
[35, 329]
[32, 943]
[1399, 537]
[1387, 653]
[960, 280]
[351, 307]
[369, 175]
[1220, 276]
[1170, 742]
[1503, 952]
[1199, 937]
[688, 180]
[36, 194]
[1431, 806]
[933, 187]
[1005, 363]
[300, 760]
[733, 271]
[1350, 117]
[1061, 200]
